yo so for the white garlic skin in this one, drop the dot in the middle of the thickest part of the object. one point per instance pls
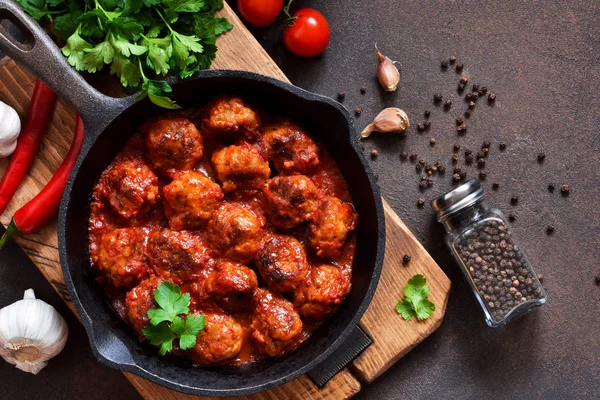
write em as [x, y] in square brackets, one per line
[10, 127]
[31, 333]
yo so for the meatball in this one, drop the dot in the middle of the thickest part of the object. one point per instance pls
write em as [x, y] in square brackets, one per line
[290, 149]
[281, 262]
[220, 340]
[130, 187]
[138, 301]
[232, 286]
[240, 165]
[173, 144]
[321, 292]
[235, 232]
[276, 326]
[121, 257]
[190, 199]
[176, 251]
[291, 199]
[327, 233]
[231, 117]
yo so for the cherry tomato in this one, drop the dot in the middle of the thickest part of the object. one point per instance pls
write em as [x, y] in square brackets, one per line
[260, 13]
[309, 35]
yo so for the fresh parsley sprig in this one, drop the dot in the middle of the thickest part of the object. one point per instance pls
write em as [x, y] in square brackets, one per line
[167, 323]
[415, 302]
[140, 40]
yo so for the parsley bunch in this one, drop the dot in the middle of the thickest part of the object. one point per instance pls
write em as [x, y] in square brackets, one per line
[166, 324]
[415, 302]
[139, 39]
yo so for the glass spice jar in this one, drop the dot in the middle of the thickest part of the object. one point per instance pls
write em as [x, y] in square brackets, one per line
[482, 243]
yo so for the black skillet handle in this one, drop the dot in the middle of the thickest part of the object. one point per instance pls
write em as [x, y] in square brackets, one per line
[43, 58]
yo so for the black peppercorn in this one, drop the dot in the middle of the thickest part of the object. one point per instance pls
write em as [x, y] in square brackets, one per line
[447, 104]
[480, 154]
[460, 120]
[437, 97]
[467, 114]
[413, 157]
[475, 96]
[463, 80]
[468, 97]
[357, 111]
[468, 152]
[452, 59]
[454, 158]
[420, 126]
[423, 183]
[514, 200]
[418, 167]
[462, 128]
[471, 105]
[460, 87]
[421, 202]
[422, 161]
[404, 155]
[550, 229]
[374, 153]
[363, 90]
[486, 144]
[427, 113]
[444, 65]
[564, 189]
[441, 169]
[481, 162]
[427, 124]
[483, 90]
[456, 148]
[482, 175]
[551, 187]
[459, 67]
[432, 141]
[597, 280]
[406, 259]
[541, 157]
[341, 96]
[469, 159]
[456, 177]
[456, 169]
[485, 150]
[475, 87]
[462, 175]
[512, 217]
[502, 146]
[495, 185]
[491, 97]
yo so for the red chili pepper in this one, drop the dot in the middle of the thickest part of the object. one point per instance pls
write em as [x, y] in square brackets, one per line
[43, 207]
[36, 124]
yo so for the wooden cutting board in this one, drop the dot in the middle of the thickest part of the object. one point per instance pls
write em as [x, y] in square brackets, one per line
[392, 336]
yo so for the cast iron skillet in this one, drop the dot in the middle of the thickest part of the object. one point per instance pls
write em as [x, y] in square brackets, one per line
[109, 122]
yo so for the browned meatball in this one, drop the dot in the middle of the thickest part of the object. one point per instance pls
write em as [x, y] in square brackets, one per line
[276, 326]
[220, 340]
[290, 149]
[292, 200]
[281, 262]
[327, 233]
[240, 165]
[232, 286]
[231, 117]
[173, 144]
[190, 199]
[235, 232]
[121, 257]
[130, 187]
[138, 301]
[176, 251]
[321, 292]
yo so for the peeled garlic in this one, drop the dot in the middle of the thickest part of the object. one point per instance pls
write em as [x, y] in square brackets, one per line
[390, 120]
[31, 333]
[387, 73]
[10, 127]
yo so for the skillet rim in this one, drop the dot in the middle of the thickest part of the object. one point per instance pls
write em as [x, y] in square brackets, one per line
[380, 243]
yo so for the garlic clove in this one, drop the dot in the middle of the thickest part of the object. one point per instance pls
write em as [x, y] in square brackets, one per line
[390, 120]
[31, 333]
[10, 127]
[387, 73]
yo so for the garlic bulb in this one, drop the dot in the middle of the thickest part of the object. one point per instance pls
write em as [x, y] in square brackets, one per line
[390, 120]
[10, 127]
[31, 333]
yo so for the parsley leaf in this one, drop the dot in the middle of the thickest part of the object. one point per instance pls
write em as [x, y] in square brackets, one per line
[75, 49]
[166, 323]
[415, 301]
[222, 25]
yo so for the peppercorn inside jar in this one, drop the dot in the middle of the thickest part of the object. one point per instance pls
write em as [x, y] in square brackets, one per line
[502, 279]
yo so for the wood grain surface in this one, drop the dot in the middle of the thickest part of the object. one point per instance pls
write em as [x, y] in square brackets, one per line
[393, 337]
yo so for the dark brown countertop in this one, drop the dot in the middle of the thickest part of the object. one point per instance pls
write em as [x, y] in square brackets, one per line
[542, 59]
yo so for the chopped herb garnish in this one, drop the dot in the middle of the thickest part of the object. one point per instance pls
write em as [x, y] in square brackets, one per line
[415, 302]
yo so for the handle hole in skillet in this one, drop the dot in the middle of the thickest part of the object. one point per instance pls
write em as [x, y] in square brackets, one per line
[15, 31]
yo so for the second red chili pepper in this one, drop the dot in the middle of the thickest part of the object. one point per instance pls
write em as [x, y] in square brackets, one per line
[43, 207]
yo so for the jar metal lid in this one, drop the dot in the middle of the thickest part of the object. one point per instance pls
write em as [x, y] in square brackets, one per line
[462, 197]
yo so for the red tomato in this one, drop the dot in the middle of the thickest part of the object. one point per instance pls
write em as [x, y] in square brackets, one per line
[309, 35]
[260, 13]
